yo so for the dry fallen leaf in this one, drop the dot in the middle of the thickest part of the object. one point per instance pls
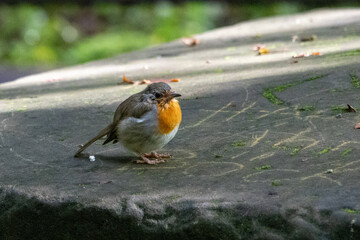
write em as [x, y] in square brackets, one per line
[166, 80]
[126, 80]
[294, 38]
[261, 49]
[190, 41]
[303, 39]
[308, 39]
[357, 126]
[145, 81]
[350, 108]
[301, 55]
[258, 46]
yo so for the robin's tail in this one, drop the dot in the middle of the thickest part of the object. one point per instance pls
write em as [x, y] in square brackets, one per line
[102, 133]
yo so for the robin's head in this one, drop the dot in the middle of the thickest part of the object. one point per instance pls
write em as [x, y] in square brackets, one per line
[162, 92]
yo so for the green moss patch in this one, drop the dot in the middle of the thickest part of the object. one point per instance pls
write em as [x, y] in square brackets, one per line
[269, 93]
[346, 152]
[339, 108]
[264, 167]
[276, 183]
[348, 210]
[325, 150]
[306, 108]
[238, 144]
[355, 81]
[295, 151]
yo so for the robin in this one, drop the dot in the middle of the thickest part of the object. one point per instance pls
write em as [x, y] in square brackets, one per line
[144, 123]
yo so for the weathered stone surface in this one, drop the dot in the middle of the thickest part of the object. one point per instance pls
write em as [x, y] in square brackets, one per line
[259, 137]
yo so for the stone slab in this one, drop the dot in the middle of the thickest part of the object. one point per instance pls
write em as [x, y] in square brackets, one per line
[266, 149]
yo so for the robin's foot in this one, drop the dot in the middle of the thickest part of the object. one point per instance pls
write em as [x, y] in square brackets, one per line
[157, 155]
[145, 160]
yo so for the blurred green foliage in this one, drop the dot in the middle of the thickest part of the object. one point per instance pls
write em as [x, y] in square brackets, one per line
[68, 34]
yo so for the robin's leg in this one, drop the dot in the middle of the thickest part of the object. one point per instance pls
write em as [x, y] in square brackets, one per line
[157, 155]
[145, 160]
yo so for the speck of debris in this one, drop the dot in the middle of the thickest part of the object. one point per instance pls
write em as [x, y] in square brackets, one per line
[105, 182]
[330, 171]
[92, 158]
[339, 116]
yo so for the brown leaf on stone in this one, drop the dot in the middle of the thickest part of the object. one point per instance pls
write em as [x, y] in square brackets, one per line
[190, 41]
[350, 108]
[126, 80]
[301, 55]
[261, 49]
[166, 80]
[308, 39]
[357, 126]
[145, 81]
[258, 46]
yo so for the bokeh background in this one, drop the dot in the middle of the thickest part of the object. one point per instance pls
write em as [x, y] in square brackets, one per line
[49, 35]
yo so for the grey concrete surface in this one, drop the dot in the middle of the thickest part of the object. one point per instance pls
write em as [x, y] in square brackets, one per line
[266, 149]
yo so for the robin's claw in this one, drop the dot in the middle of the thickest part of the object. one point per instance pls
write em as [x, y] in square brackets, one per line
[157, 155]
[145, 160]
[164, 155]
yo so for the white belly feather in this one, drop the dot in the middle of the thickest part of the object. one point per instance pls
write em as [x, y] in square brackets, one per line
[141, 135]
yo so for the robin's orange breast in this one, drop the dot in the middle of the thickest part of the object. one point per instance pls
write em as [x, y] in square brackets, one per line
[169, 116]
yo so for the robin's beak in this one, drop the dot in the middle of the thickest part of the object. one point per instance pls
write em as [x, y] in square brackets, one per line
[170, 95]
[174, 94]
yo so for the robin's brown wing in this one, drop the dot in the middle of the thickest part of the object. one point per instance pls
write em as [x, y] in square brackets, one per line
[135, 106]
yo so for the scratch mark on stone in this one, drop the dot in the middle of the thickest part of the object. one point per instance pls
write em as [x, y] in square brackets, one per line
[258, 139]
[276, 111]
[237, 167]
[280, 124]
[212, 115]
[290, 139]
[311, 145]
[343, 144]
[262, 156]
[315, 128]
[239, 112]
[240, 166]
[321, 175]
[246, 98]
[263, 172]
[311, 94]
[2, 140]
[348, 164]
[236, 156]
[23, 158]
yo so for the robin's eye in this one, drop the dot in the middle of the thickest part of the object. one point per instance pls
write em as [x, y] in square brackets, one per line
[157, 95]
